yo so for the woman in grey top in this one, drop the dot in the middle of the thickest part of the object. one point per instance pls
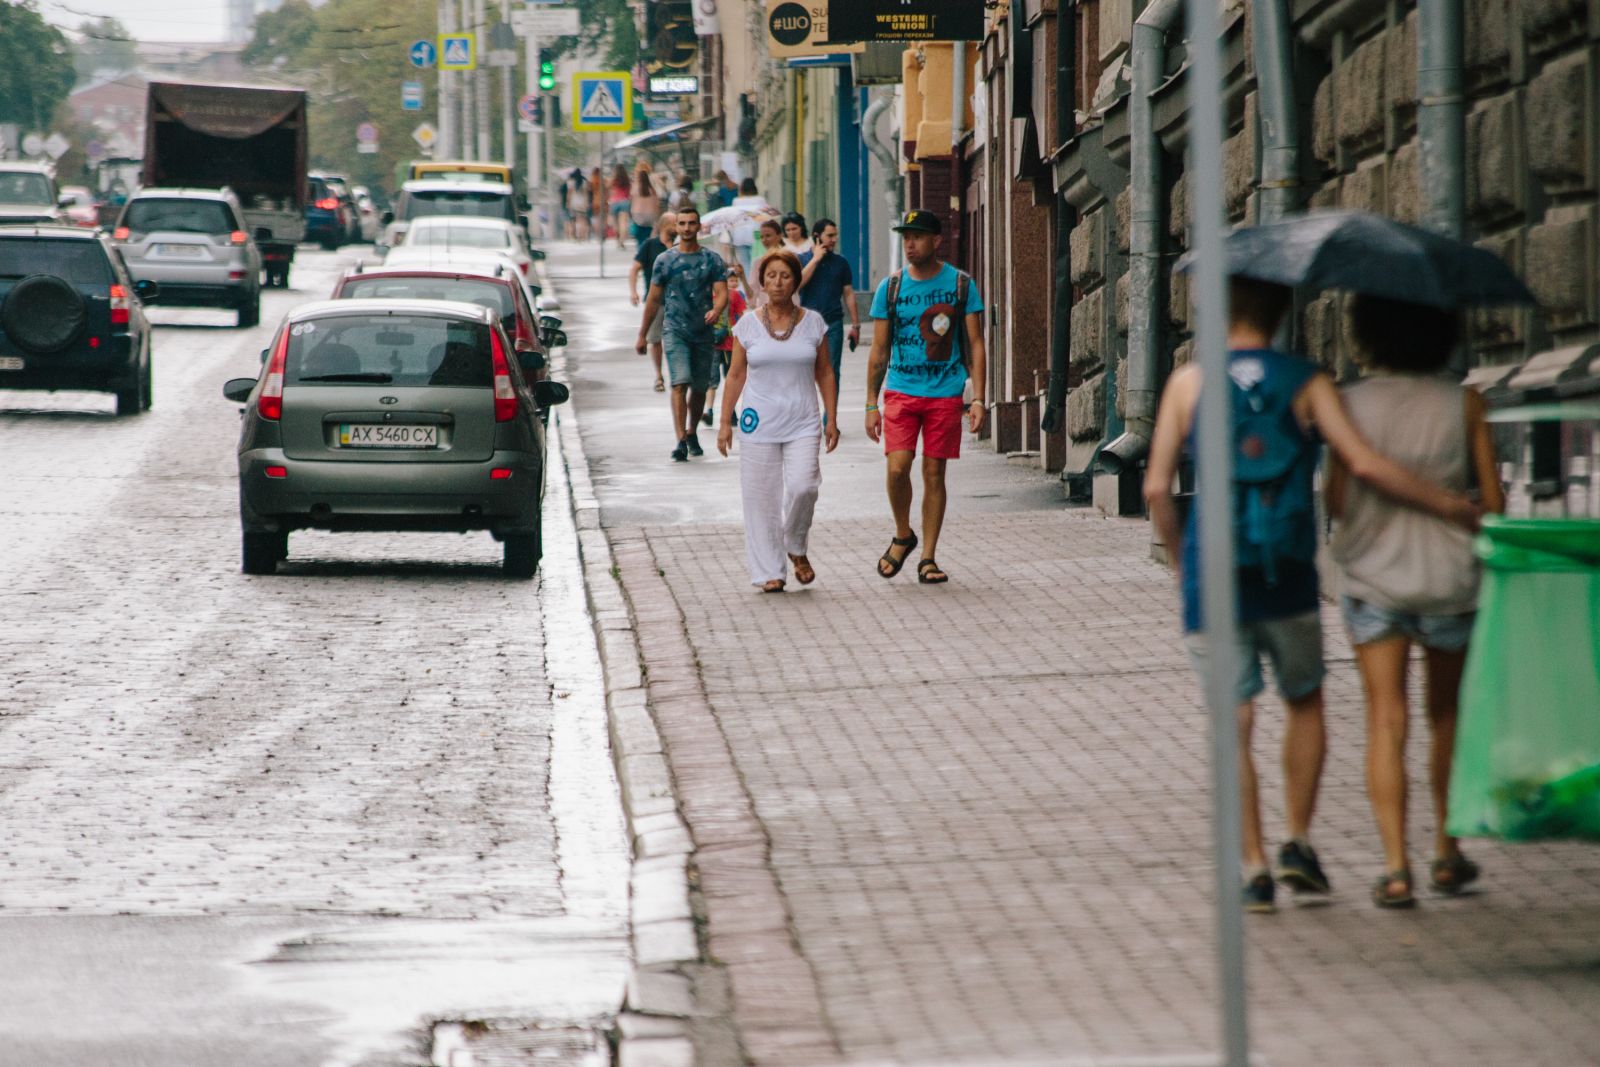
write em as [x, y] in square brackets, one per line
[1408, 578]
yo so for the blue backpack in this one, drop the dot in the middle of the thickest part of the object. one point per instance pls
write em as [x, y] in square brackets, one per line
[1274, 515]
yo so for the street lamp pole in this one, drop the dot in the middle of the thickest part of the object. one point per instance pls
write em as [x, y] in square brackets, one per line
[480, 79]
[535, 173]
[446, 103]
[508, 118]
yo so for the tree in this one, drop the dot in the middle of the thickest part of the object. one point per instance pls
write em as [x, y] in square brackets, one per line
[106, 47]
[607, 25]
[282, 36]
[36, 71]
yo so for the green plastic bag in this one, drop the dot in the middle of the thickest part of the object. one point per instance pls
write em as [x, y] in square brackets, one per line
[1527, 760]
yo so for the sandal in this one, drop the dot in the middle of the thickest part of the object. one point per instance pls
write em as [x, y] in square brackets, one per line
[802, 569]
[1451, 876]
[1383, 897]
[661, 386]
[774, 586]
[930, 573]
[907, 543]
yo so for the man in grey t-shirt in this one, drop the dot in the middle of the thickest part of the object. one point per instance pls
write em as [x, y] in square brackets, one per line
[690, 282]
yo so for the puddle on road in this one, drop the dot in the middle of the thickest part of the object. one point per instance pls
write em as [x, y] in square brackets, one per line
[506, 991]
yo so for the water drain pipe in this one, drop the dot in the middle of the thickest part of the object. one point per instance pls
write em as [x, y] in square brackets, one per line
[888, 159]
[1275, 104]
[1140, 391]
[1066, 218]
[1441, 115]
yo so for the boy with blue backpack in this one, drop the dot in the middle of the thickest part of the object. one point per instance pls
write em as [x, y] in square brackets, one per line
[1284, 409]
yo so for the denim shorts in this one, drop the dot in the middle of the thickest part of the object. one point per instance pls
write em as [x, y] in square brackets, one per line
[1293, 645]
[690, 362]
[1367, 622]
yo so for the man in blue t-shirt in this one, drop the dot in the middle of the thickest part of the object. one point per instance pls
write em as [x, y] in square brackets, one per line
[825, 287]
[927, 341]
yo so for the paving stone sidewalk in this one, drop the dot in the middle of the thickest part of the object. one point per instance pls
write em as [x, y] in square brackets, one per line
[983, 812]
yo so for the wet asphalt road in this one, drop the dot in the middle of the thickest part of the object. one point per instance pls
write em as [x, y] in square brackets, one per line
[287, 820]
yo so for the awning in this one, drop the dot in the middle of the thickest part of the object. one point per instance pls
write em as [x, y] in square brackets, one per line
[665, 133]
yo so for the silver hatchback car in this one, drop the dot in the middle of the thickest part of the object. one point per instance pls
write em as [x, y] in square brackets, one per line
[193, 243]
[392, 415]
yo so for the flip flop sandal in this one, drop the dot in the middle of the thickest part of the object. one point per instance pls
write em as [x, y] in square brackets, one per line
[661, 386]
[803, 570]
[926, 569]
[1450, 876]
[774, 586]
[1383, 898]
[907, 543]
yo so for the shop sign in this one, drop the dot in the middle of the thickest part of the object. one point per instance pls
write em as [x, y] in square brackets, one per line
[905, 20]
[797, 28]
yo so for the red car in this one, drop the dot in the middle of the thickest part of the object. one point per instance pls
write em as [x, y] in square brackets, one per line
[501, 293]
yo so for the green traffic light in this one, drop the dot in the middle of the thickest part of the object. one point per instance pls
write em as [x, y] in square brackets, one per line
[547, 74]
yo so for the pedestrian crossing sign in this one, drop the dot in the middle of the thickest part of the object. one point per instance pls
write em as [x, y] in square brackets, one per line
[458, 51]
[604, 101]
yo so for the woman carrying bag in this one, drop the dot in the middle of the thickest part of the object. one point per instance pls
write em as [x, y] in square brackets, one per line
[780, 367]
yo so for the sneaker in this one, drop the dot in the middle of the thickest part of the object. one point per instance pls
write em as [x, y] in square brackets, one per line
[681, 453]
[1258, 894]
[693, 442]
[1299, 870]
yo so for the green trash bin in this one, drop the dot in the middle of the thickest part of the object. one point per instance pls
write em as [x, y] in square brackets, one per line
[1527, 760]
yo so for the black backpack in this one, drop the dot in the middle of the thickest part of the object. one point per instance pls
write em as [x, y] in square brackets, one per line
[963, 280]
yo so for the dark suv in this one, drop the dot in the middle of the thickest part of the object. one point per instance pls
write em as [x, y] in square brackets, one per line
[71, 316]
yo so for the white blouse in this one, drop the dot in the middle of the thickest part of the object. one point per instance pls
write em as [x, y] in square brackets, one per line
[779, 402]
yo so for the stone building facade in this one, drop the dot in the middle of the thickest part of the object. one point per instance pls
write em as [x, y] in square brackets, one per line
[1531, 174]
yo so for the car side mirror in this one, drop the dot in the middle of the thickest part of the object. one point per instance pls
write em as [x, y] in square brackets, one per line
[146, 290]
[554, 338]
[549, 322]
[387, 217]
[529, 358]
[548, 394]
[63, 202]
[265, 352]
[238, 389]
[536, 254]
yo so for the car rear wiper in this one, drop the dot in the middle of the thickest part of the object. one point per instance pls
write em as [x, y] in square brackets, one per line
[376, 377]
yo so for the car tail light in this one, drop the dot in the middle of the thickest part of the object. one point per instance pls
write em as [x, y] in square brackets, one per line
[505, 397]
[524, 267]
[121, 233]
[235, 275]
[327, 203]
[277, 472]
[269, 404]
[238, 237]
[119, 305]
[500, 474]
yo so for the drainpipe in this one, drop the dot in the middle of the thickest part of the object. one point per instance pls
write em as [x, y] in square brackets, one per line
[888, 159]
[1275, 103]
[1441, 115]
[958, 93]
[1139, 392]
[1066, 218]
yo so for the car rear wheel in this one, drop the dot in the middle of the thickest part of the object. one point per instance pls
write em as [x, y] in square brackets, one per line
[250, 312]
[261, 552]
[136, 400]
[521, 554]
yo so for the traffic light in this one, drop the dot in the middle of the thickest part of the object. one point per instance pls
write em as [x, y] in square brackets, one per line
[547, 71]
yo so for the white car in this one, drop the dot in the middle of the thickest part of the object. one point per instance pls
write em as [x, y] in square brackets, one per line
[482, 261]
[458, 234]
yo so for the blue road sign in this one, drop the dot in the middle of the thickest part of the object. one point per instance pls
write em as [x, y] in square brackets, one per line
[421, 53]
[605, 100]
[411, 96]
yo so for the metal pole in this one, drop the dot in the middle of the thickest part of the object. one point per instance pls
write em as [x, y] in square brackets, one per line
[508, 117]
[464, 139]
[535, 170]
[446, 88]
[1441, 116]
[1215, 460]
[480, 81]
[601, 228]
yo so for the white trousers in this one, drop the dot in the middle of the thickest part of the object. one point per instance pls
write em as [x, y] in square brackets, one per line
[779, 484]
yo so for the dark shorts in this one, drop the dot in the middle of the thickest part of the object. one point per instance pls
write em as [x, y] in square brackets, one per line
[690, 362]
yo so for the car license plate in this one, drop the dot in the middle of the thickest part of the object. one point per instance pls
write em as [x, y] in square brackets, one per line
[374, 435]
[11, 363]
[181, 251]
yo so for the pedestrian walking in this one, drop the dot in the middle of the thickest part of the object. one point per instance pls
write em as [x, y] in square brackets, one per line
[683, 195]
[644, 262]
[927, 343]
[1284, 407]
[597, 203]
[689, 284]
[770, 237]
[744, 235]
[727, 190]
[644, 206]
[825, 287]
[723, 335]
[618, 193]
[1408, 578]
[794, 234]
[779, 368]
[577, 197]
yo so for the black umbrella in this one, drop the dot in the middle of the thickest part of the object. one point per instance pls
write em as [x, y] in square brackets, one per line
[1370, 254]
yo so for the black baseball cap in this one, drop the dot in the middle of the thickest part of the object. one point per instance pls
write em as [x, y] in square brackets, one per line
[919, 222]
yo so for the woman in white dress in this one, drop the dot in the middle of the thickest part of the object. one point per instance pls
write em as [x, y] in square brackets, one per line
[779, 372]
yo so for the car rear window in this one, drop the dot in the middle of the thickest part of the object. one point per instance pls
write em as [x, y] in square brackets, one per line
[79, 261]
[462, 201]
[445, 235]
[178, 216]
[407, 350]
[491, 295]
[18, 187]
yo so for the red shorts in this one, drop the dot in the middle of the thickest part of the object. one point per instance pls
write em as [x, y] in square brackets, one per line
[936, 418]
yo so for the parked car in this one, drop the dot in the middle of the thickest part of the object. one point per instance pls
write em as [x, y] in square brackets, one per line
[71, 315]
[473, 235]
[470, 261]
[369, 216]
[392, 415]
[195, 244]
[499, 291]
[79, 206]
[349, 213]
[28, 193]
[327, 216]
[418, 199]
